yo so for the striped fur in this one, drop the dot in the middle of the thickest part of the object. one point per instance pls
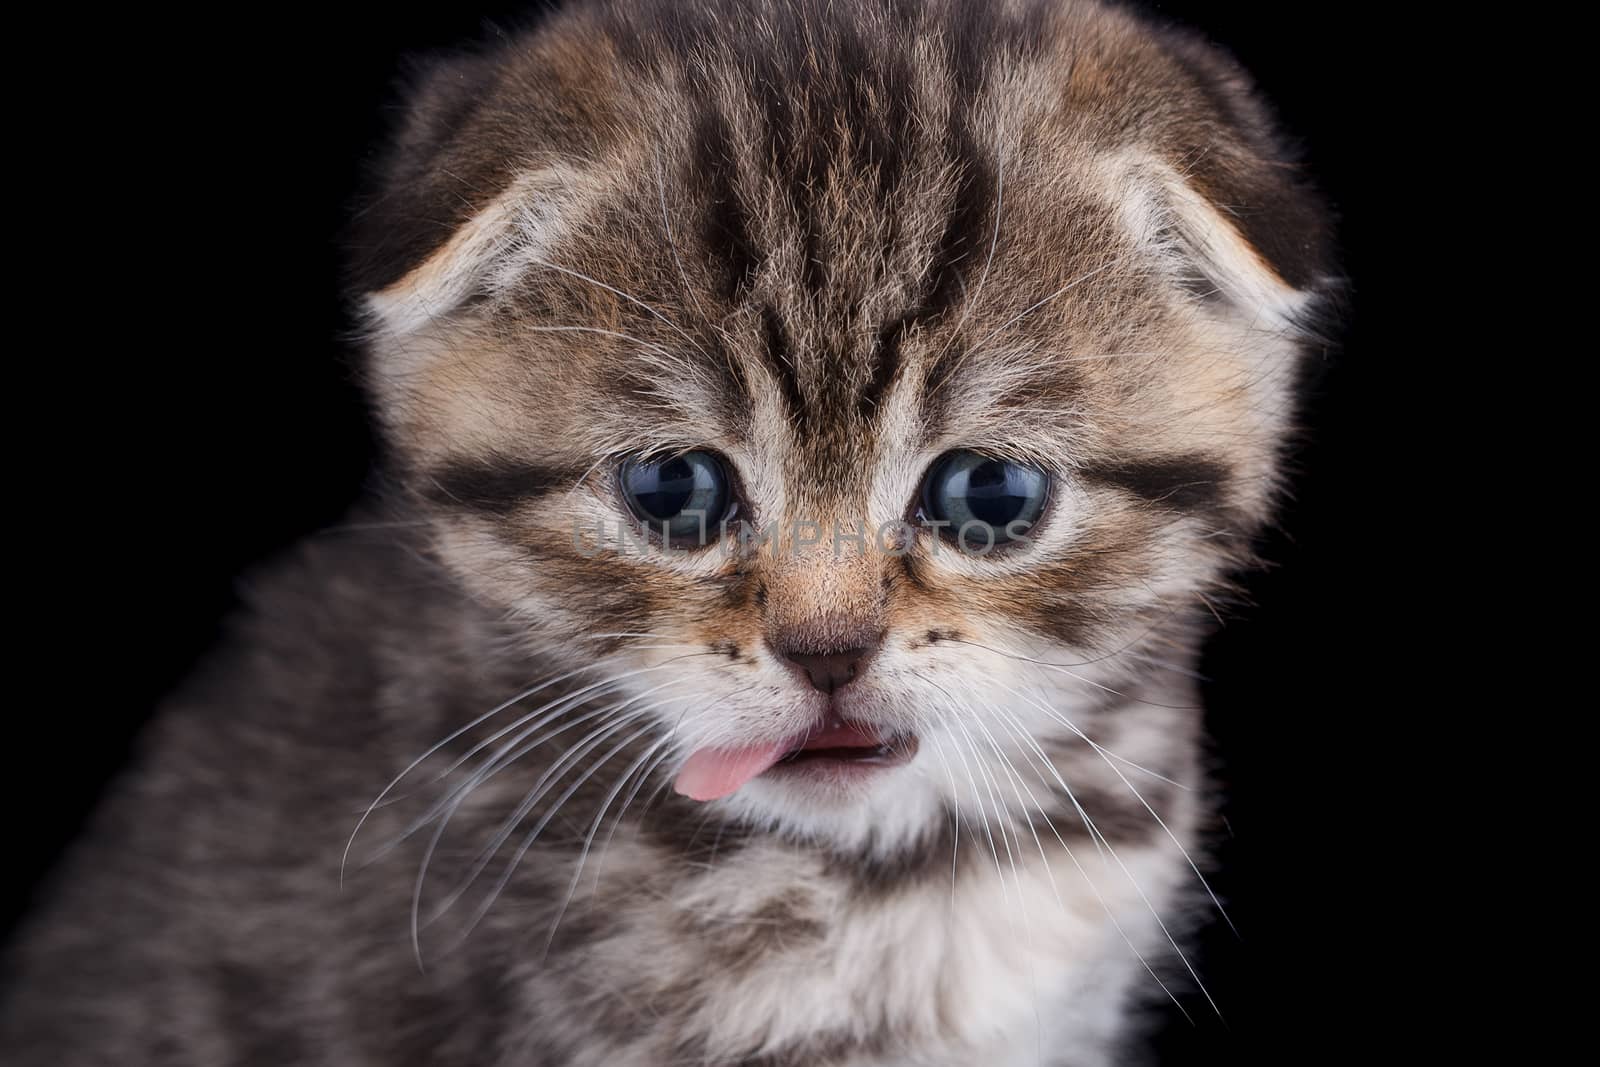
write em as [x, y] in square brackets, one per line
[829, 240]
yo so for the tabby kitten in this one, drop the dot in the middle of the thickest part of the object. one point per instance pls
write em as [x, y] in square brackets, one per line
[816, 428]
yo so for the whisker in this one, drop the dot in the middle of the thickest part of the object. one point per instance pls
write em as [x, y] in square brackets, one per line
[618, 292]
[955, 818]
[1017, 732]
[977, 799]
[1011, 771]
[1140, 796]
[988, 787]
[486, 855]
[1076, 677]
[503, 757]
[414, 764]
[1100, 840]
[533, 835]
[600, 861]
[1005, 821]
[534, 794]
[1036, 305]
[615, 334]
[527, 724]
[588, 841]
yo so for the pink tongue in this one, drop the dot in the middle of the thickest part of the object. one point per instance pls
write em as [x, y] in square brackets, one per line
[716, 772]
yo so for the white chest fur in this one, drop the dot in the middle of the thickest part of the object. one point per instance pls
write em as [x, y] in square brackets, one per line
[1007, 966]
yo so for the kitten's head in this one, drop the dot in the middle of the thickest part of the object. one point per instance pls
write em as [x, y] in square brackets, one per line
[826, 277]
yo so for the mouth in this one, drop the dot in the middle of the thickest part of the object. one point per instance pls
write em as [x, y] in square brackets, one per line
[836, 740]
[834, 751]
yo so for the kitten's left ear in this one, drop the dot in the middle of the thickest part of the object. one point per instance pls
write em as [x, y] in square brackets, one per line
[1223, 195]
[1204, 245]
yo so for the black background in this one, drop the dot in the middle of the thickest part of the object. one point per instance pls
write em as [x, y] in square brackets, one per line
[222, 156]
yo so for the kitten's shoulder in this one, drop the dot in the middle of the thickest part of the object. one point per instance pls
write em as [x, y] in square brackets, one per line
[345, 654]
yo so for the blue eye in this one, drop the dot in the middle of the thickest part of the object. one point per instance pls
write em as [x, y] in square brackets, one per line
[682, 495]
[986, 501]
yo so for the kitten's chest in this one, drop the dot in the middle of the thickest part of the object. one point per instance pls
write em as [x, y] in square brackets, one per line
[774, 963]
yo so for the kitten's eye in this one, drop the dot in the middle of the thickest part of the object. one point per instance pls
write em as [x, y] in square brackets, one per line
[983, 498]
[684, 494]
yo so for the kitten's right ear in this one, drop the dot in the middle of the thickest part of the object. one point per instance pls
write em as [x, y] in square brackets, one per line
[486, 253]
[477, 168]
[409, 210]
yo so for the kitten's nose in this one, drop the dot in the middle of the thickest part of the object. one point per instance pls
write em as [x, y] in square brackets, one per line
[829, 650]
[828, 671]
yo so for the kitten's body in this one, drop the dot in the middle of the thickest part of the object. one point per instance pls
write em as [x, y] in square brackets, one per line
[217, 931]
[830, 241]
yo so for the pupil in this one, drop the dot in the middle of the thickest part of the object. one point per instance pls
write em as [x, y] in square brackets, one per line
[991, 497]
[664, 490]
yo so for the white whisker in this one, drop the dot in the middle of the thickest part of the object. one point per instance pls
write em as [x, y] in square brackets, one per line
[1017, 731]
[533, 835]
[588, 841]
[1140, 796]
[414, 764]
[618, 292]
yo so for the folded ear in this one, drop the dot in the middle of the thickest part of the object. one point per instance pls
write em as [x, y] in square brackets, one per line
[1220, 192]
[483, 159]
[418, 196]
[487, 251]
[1204, 246]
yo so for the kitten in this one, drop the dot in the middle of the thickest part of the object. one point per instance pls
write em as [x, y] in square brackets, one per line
[817, 427]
